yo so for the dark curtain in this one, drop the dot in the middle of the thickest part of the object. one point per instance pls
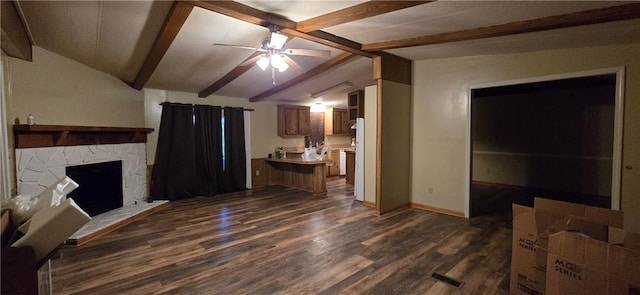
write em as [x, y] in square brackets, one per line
[235, 177]
[208, 137]
[174, 168]
[189, 157]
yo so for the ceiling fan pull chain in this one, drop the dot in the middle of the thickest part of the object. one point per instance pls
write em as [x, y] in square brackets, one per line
[273, 75]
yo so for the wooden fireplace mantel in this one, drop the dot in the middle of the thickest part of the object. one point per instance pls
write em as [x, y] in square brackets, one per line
[32, 136]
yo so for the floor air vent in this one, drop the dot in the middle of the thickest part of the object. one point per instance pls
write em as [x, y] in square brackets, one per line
[447, 280]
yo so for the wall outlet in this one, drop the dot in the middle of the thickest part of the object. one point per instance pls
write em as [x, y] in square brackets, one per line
[430, 190]
[488, 170]
[257, 172]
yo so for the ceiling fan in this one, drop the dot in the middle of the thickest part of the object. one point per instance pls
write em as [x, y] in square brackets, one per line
[275, 55]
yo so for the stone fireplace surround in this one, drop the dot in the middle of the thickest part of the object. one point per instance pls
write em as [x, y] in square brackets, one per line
[42, 153]
[39, 168]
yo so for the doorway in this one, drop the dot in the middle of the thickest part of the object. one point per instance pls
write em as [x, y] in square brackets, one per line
[554, 138]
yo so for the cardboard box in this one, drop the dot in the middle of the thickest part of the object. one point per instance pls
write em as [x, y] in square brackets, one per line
[531, 230]
[50, 227]
[595, 214]
[579, 264]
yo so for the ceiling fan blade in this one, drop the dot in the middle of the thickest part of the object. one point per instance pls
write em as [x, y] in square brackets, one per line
[308, 52]
[251, 60]
[240, 46]
[292, 63]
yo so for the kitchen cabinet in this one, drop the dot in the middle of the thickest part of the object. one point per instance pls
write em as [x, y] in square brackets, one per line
[293, 120]
[336, 122]
[334, 168]
[260, 176]
[356, 105]
[351, 167]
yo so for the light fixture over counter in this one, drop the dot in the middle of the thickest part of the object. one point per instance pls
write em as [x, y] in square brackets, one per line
[334, 88]
[318, 107]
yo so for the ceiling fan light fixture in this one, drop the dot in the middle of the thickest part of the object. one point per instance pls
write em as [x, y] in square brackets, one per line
[263, 62]
[277, 61]
[277, 40]
[283, 67]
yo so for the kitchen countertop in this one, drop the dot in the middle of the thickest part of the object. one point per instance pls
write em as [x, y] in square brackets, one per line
[299, 161]
[300, 150]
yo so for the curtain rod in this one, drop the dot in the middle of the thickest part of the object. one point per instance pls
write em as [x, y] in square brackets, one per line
[244, 109]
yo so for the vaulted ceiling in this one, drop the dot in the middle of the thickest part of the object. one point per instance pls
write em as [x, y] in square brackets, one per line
[168, 45]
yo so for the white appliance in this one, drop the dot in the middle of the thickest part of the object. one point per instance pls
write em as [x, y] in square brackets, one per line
[359, 173]
[343, 162]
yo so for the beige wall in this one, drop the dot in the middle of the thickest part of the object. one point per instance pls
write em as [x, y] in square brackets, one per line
[264, 131]
[337, 140]
[370, 114]
[395, 149]
[440, 118]
[59, 91]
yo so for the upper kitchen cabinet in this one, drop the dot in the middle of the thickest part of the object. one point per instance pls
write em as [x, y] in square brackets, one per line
[336, 122]
[293, 120]
[356, 105]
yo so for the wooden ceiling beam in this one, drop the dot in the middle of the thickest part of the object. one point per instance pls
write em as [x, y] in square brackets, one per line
[229, 77]
[14, 38]
[354, 13]
[335, 61]
[172, 24]
[581, 18]
[254, 16]
[330, 40]
[251, 15]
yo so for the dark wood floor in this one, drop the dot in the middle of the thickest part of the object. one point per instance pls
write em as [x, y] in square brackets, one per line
[279, 240]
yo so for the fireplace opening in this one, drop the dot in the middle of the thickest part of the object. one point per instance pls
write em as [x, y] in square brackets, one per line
[100, 186]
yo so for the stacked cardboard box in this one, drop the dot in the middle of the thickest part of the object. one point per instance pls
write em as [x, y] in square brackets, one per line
[579, 264]
[532, 228]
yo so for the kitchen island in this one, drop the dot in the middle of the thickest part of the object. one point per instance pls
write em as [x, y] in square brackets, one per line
[305, 175]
